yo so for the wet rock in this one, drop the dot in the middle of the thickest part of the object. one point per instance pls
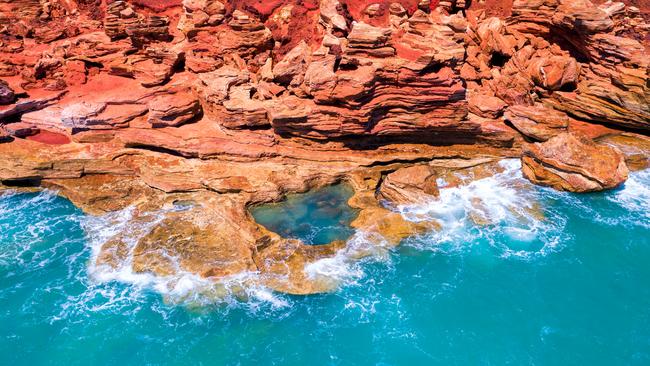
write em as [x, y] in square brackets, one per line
[302, 94]
[573, 162]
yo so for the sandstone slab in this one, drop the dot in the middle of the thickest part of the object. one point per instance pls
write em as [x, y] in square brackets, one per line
[573, 162]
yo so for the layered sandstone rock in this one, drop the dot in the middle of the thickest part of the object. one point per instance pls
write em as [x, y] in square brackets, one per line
[201, 13]
[537, 121]
[409, 185]
[573, 162]
[613, 87]
[173, 110]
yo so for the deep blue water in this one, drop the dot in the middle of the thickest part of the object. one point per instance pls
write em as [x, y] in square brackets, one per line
[571, 287]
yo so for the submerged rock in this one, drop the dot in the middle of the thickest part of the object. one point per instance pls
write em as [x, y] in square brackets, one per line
[573, 162]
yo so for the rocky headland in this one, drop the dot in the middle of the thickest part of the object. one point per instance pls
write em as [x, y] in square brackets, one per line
[184, 114]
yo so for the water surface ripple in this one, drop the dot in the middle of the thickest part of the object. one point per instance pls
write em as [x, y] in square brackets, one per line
[517, 275]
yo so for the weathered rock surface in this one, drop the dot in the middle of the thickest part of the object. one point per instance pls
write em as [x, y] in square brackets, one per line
[409, 185]
[537, 121]
[173, 110]
[573, 162]
[7, 95]
[20, 129]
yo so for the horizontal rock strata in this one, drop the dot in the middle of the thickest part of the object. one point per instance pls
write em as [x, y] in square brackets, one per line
[573, 162]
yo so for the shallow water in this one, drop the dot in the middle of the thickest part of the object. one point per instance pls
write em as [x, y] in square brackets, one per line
[569, 288]
[316, 217]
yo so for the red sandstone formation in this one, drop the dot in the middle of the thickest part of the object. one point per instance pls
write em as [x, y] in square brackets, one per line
[409, 185]
[224, 104]
[573, 162]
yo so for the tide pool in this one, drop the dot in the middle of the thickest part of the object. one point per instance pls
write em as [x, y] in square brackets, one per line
[317, 217]
[552, 279]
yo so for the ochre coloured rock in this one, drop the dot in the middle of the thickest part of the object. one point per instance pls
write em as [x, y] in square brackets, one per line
[573, 162]
[410, 185]
[173, 110]
[486, 106]
[5, 136]
[21, 129]
[537, 121]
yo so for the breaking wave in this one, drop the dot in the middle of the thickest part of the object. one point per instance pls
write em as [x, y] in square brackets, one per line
[504, 211]
[503, 215]
[183, 287]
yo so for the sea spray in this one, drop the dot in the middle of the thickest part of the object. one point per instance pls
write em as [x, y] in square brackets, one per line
[424, 302]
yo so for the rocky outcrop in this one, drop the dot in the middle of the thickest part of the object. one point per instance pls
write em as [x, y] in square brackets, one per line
[613, 86]
[201, 13]
[7, 95]
[537, 122]
[151, 67]
[173, 110]
[99, 115]
[410, 185]
[182, 115]
[123, 21]
[5, 136]
[573, 162]
[20, 129]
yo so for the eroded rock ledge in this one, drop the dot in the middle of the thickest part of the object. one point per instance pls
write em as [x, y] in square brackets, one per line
[183, 114]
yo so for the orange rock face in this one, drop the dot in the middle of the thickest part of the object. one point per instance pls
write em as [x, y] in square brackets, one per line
[409, 185]
[573, 162]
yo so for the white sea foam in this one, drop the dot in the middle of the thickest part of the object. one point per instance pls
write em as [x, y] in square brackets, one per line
[634, 196]
[26, 224]
[627, 206]
[506, 201]
[501, 209]
[508, 207]
[182, 287]
[345, 268]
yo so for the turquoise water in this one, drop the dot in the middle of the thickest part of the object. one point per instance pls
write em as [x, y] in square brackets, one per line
[571, 288]
[316, 217]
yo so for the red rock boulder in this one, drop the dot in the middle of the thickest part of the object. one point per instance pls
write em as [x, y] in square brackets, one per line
[409, 185]
[573, 162]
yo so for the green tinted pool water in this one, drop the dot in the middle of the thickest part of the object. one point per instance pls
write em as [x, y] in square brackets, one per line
[569, 289]
[317, 217]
